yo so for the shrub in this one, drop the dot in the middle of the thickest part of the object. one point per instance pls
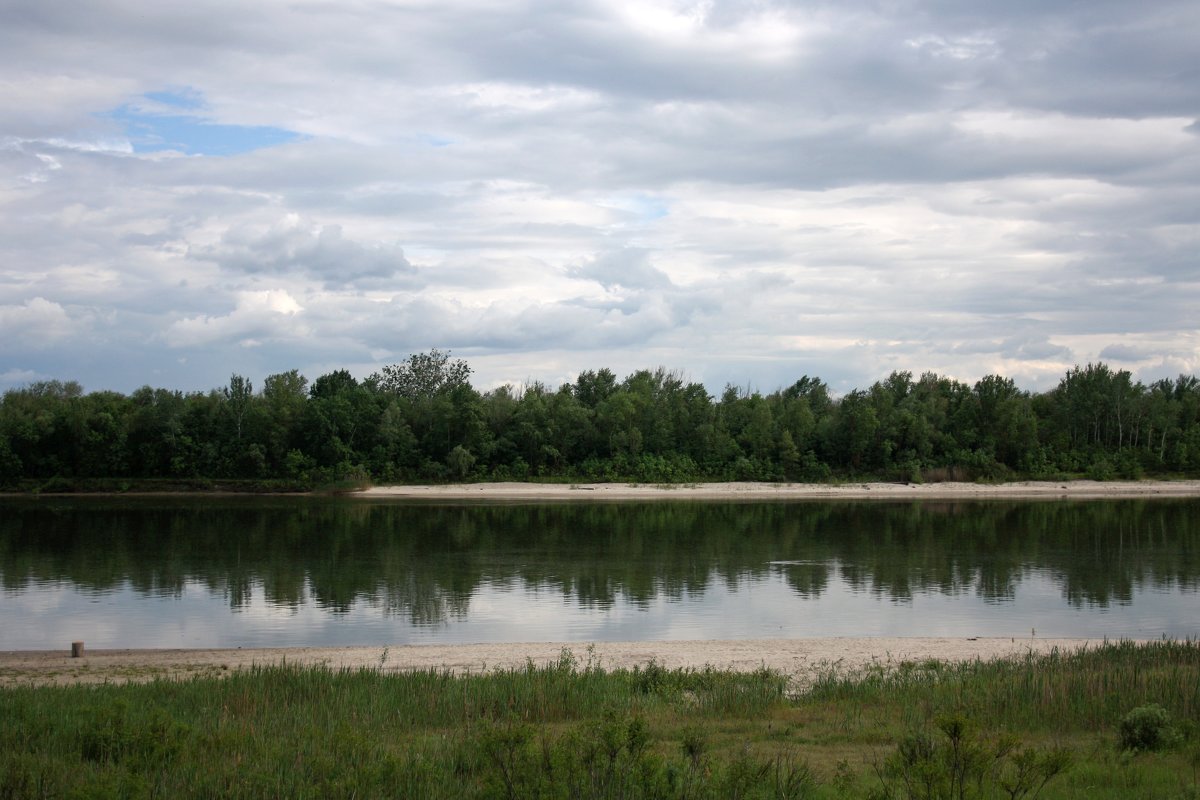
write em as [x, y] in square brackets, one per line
[1101, 470]
[962, 764]
[1147, 728]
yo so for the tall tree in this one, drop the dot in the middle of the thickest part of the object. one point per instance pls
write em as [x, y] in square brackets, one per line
[284, 396]
[238, 395]
[423, 376]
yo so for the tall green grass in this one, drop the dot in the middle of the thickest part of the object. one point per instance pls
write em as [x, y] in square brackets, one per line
[1090, 688]
[572, 730]
[314, 732]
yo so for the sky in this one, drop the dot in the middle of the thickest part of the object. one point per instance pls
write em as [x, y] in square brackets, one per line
[745, 191]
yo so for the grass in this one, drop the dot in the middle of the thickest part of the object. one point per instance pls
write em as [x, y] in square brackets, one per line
[576, 730]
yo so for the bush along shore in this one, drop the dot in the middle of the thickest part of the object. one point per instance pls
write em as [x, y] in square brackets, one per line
[421, 421]
[1116, 721]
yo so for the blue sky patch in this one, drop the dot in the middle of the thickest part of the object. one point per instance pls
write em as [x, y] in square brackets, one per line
[173, 121]
[186, 99]
[645, 207]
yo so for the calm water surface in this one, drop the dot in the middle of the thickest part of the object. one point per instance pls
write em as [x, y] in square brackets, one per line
[219, 572]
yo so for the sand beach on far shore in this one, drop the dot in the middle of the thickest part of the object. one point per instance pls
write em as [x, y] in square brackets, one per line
[574, 492]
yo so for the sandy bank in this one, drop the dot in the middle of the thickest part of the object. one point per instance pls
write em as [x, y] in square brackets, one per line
[799, 658]
[789, 491]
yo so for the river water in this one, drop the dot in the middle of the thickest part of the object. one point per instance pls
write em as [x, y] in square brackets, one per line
[269, 572]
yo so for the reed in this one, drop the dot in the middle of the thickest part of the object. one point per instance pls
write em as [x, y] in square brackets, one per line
[1089, 688]
[577, 730]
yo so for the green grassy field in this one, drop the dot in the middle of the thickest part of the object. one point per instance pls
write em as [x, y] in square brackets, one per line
[1047, 726]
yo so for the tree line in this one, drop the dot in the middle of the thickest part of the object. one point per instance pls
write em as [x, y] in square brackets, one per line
[422, 420]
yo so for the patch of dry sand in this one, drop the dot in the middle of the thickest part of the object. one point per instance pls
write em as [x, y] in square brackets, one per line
[788, 491]
[801, 659]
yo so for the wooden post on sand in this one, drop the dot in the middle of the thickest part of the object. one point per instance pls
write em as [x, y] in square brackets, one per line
[76, 649]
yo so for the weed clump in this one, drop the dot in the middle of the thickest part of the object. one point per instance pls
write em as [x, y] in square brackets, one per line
[960, 764]
[1147, 728]
[612, 758]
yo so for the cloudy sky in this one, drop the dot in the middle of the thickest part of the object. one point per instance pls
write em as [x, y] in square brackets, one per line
[744, 190]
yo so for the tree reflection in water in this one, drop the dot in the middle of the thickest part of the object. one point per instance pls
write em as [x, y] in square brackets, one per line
[426, 562]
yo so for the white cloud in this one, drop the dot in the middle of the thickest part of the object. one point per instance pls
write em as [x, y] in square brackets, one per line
[292, 246]
[257, 315]
[20, 377]
[745, 190]
[36, 323]
[960, 48]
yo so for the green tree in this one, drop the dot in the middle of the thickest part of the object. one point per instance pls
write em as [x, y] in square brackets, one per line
[460, 460]
[340, 425]
[36, 419]
[853, 432]
[10, 464]
[284, 397]
[238, 396]
[154, 431]
[594, 387]
[423, 376]
[1005, 421]
[99, 427]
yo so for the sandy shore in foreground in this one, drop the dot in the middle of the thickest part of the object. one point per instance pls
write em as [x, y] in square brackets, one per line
[801, 659]
[789, 491]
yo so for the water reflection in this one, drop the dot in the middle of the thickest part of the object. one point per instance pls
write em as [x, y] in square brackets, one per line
[457, 570]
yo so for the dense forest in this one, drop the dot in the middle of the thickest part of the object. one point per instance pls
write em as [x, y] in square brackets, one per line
[421, 420]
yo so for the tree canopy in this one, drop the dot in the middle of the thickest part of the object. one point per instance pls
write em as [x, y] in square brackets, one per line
[422, 420]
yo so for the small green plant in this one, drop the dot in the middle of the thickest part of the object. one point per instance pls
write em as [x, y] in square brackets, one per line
[793, 780]
[1102, 470]
[1029, 770]
[1147, 728]
[1194, 763]
[504, 748]
[113, 733]
[960, 764]
[693, 746]
[843, 776]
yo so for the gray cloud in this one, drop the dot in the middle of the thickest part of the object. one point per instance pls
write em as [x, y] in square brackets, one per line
[290, 246]
[745, 190]
[36, 323]
[1124, 352]
[1035, 350]
[628, 269]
